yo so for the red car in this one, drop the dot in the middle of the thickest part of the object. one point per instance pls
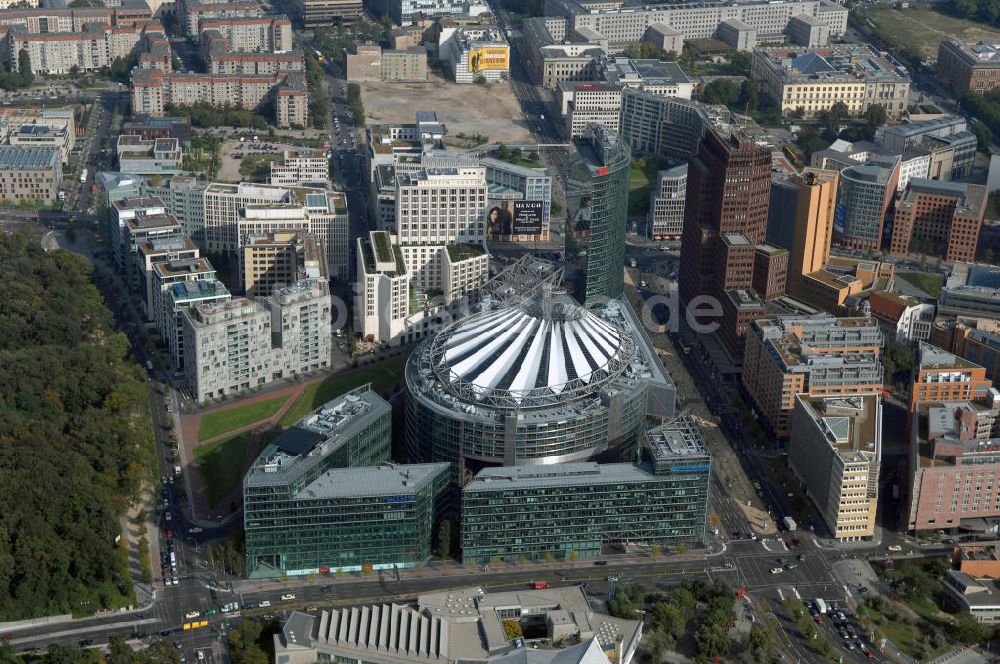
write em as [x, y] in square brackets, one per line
[170, 532]
[819, 620]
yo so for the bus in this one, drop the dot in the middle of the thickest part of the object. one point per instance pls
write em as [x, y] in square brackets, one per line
[83, 176]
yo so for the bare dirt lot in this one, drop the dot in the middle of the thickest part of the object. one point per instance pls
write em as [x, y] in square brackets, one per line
[490, 110]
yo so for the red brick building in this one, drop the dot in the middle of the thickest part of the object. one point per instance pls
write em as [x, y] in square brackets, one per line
[770, 271]
[939, 219]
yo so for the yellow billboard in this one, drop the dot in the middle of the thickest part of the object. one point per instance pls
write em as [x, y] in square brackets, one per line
[489, 59]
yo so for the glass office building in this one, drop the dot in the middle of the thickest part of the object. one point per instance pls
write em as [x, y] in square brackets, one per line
[597, 201]
[540, 381]
[578, 509]
[290, 515]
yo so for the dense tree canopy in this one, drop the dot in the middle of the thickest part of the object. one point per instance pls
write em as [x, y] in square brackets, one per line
[74, 437]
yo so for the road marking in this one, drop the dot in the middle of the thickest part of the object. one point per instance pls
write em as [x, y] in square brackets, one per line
[781, 595]
[848, 591]
[796, 591]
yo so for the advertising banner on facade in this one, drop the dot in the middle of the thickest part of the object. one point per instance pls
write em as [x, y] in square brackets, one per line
[528, 217]
[489, 59]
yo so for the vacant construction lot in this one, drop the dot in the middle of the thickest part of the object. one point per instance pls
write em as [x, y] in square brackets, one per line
[923, 28]
[487, 110]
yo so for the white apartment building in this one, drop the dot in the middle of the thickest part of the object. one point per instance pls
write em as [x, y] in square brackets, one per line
[382, 301]
[666, 204]
[586, 103]
[158, 251]
[301, 168]
[835, 450]
[229, 348]
[249, 34]
[475, 52]
[180, 284]
[91, 49]
[300, 328]
[903, 318]
[436, 207]
[153, 90]
[239, 345]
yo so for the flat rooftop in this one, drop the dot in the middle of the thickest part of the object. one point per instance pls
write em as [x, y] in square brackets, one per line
[15, 157]
[933, 358]
[563, 474]
[677, 440]
[851, 424]
[387, 481]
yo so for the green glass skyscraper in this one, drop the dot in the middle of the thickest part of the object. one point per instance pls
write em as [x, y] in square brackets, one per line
[597, 197]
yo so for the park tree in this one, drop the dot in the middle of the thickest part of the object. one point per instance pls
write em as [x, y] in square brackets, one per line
[749, 97]
[445, 538]
[720, 91]
[876, 115]
[24, 67]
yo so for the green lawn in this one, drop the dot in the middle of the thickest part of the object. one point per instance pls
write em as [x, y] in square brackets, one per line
[641, 181]
[221, 466]
[929, 283]
[222, 421]
[382, 376]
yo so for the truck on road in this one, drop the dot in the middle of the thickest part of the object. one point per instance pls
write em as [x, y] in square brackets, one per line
[821, 605]
[789, 523]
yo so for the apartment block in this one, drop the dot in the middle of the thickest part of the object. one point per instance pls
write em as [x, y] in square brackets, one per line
[29, 174]
[662, 126]
[178, 285]
[475, 53]
[383, 289]
[813, 80]
[968, 67]
[939, 219]
[940, 376]
[56, 20]
[808, 31]
[665, 219]
[300, 327]
[233, 347]
[954, 464]
[229, 348]
[234, 211]
[191, 13]
[835, 450]
[438, 206]
[154, 90]
[276, 260]
[411, 12]
[370, 62]
[93, 47]
[514, 182]
[140, 156]
[254, 64]
[158, 251]
[951, 144]
[247, 34]
[818, 355]
[301, 168]
[905, 319]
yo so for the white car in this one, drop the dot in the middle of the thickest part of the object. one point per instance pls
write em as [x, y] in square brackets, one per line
[192, 614]
[287, 596]
[895, 547]
[264, 604]
[776, 570]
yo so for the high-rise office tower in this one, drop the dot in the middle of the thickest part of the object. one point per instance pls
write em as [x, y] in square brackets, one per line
[813, 230]
[597, 194]
[725, 217]
[729, 189]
